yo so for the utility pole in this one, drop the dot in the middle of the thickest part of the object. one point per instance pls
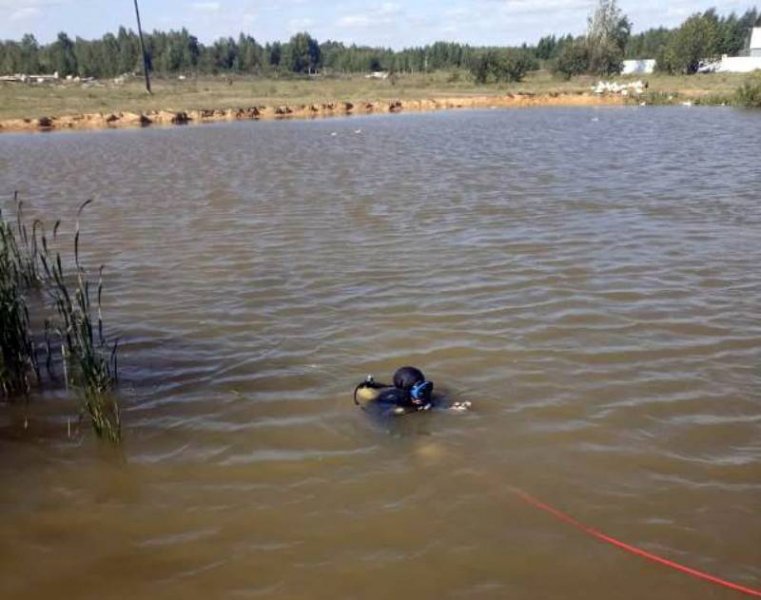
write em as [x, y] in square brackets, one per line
[142, 49]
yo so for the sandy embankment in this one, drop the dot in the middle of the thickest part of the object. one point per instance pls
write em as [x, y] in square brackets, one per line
[328, 109]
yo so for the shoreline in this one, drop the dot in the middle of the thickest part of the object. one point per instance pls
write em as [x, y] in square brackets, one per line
[115, 120]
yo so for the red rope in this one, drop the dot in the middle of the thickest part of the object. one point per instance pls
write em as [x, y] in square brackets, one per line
[633, 549]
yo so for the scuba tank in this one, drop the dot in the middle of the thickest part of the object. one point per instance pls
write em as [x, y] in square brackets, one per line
[368, 391]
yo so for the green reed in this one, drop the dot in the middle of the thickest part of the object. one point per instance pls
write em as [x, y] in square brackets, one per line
[18, 364]
[89, 360]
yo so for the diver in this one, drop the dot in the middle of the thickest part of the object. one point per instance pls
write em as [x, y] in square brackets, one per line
[410, 392]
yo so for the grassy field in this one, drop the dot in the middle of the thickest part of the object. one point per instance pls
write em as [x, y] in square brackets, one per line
[69, 98]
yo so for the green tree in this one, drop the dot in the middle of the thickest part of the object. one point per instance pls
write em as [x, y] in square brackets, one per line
[573, 59]
[107, 51]
[30, 60]
[734, 32]
[249, 53]
[11, 57]
[302, 54]
[224, 55]
[129, 51]
[274, 54]
[648, 44]
[607, 36]
[85, 58]
[545, 49]
[62, 57]
[696, 41]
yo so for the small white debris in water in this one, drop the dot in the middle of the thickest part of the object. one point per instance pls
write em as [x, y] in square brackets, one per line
[595, 119]
[333, 133]
[357, 131]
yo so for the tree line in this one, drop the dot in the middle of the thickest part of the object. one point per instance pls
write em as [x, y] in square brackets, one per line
[176, 52]
[607, 42]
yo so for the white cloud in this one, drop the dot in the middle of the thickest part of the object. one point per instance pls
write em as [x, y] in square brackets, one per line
[25, 5]
[299, 25]
[388, 8]
[379, 16]
[352, 21]
[23, 14]
[208, 7]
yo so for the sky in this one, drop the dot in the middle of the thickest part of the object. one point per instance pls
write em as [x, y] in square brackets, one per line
[394, 24]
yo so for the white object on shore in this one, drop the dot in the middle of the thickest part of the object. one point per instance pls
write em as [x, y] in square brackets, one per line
[639, 67]
[624, 89]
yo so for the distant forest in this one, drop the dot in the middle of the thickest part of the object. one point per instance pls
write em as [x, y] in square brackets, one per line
[179, 52]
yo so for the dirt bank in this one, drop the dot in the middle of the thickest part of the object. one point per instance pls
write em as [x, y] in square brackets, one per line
[328, 109]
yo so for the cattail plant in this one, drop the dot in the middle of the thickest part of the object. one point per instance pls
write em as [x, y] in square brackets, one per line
[89, 361]
[18, 363]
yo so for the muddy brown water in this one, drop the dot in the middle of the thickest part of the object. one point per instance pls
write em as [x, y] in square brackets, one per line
[589, 278]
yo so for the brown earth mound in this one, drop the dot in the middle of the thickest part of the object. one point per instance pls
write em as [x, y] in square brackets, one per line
[169, 117]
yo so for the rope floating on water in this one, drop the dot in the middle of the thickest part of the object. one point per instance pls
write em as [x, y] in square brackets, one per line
[561, 516]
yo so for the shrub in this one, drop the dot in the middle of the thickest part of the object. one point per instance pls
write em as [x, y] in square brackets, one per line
[748, 95]
[573, 60]
[503, 65]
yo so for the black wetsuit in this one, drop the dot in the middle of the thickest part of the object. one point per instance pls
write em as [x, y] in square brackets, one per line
[395, 397]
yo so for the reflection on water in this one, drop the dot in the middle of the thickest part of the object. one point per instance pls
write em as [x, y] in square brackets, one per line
[589, 279]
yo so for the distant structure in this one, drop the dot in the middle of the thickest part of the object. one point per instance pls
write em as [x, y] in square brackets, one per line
[735, 64]
[638, 67]
[23, 78]
[742, 64]
[726, 64]
[755, 42]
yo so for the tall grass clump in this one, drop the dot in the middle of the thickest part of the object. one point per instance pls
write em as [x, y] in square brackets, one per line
[89, 361]
[17, 357]
[748, 95]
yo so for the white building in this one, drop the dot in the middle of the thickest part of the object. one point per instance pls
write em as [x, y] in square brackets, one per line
[735, 64]
[638, 67]
[755, 42]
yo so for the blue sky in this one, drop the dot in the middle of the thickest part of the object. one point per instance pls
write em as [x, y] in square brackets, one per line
[395, 24]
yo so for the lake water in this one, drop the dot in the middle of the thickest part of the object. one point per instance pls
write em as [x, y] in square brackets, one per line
[589, 278]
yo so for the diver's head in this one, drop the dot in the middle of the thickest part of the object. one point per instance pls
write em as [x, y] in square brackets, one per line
[412, 381]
